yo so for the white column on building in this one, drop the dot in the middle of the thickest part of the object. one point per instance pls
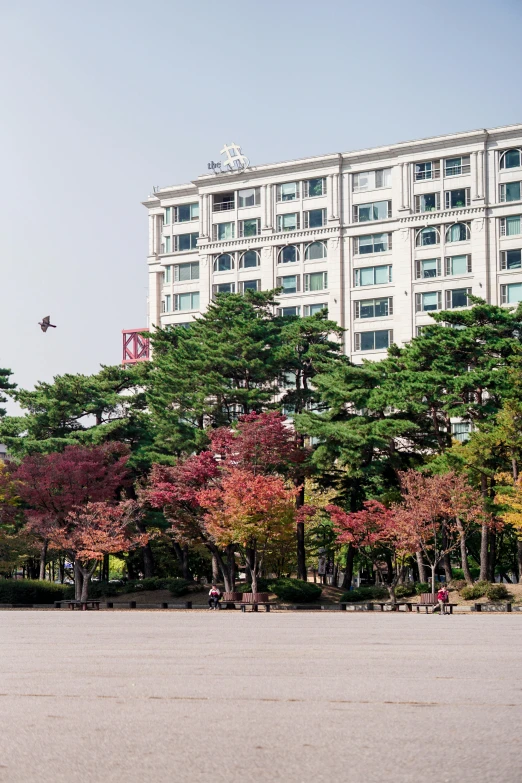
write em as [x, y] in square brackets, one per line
[151, 234]
[475, 175]
[402, 185]
[406, 191]
[203, 216]
[330, 193]
[269, 206]
[482, 181]
[336, 196]
[263, 206]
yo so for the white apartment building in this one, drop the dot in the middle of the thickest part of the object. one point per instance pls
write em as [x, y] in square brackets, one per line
[381, 237]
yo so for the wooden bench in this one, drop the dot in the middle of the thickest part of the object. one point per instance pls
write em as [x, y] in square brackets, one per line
[83, 605]
[429, 601]
[372, 604]
[254, 600]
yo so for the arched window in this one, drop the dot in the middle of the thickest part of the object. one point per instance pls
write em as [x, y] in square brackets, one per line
[288, 255]
[249, 260]
[315, 251]
[510, 159]
[223, 263]
[458, 232]
[427, 236]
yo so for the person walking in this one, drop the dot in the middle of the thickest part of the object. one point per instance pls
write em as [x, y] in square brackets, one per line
[214, 597]
[443, 599]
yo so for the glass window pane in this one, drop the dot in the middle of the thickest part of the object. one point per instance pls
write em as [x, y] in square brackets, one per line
[289, 311]
[184, 301]
[381, 308]
[514, 292]
[195, 300]
[457, 233]
[459, 265]
[367, 341]
[315, 187]
[225, 288]
[453, 166]
[367, 308]
[513, 259]
[316, 281]
[512, 159]
[428, 202]
[289, 284]
[247, 197]
[429, 301]
[250, 285]
[250, 228]
[289, 191]
[367, 276]
[365, 213]
[315, 218]
[315, 251]
[429, 267]
[381, 275]
[289, 222]
[366, 244]
[184, 272]
[316, 308]
[513, 225]
[184, 213]
[380, 243]
[184, 242]
[459, 298]
[458, 198]
[382, 339]
[513, 191]
[428, 236]
[224, 263]
[380, 210]
[194, 270]
[288, 254]
[194, 211]
[250, 259]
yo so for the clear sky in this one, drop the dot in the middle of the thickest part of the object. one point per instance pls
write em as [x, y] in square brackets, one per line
[101, 100]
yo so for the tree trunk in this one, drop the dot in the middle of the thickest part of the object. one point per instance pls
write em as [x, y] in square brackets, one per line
[78, 581]
[185, 567]
[492, 558]
[148, 561]
[433, 570]
[301, 553]
[231, 566]
[348, 570]
[464, 558]
[389, 568]
[86, 578]
[253, 570]
[43, 558]
[484, 535]
[215, 569]
[423, 576]
[229, 586]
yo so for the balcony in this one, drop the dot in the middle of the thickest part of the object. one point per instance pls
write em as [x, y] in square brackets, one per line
[135, 346]
[224, 202]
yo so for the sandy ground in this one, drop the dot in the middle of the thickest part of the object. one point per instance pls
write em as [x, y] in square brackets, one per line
[226, 697]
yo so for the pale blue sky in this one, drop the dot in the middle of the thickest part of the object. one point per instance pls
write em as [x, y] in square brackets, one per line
[102, 100]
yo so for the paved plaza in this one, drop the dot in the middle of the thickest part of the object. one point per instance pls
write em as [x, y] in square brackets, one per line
[128, 697]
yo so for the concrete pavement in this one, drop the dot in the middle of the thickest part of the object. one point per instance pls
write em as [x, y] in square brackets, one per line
[127, 697]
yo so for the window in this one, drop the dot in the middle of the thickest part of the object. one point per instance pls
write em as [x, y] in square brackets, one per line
[185, 272]
[511, 294]
[288, 222]
[315, 251]
[372, 243]
[458, 232]
[249, 228]
[167, 274]
[224, 263]
[371, 180]
[456, 199]
[290, 284]
[427, 236]
[223, 231]
[373, 308]
[167, 216]
[314, 187]
[453, 167]
[427, 170]
[373, 341]
[222, 202]
[458, 265]
[249, 285]
[249, 260]
[427, 202]
[510, 159]
[429, 267]
[287, 312]
[188, 301]
[166, 244]
[373, 275]
[510, 226]
[511, 259]
[458, 297]
[378, 210]
[288, 255]
[316, 281]
[312, 309]
[166, 306]
[461, 430]
[249, 197]
[510, 191]
[289, 191]
[431, 300]
[186, 212]
[186, 241]
[223, 288]
[315, 218]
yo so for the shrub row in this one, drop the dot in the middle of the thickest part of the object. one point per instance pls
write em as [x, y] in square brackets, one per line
[493, 592]
[295, 591]
[32, 591]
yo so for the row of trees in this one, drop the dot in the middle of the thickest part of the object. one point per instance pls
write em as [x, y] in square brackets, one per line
[194, 455]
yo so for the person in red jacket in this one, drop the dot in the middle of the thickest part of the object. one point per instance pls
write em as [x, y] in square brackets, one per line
[443, 598]
[214, 597]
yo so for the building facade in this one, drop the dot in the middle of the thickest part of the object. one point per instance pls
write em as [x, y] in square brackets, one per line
[381, 237]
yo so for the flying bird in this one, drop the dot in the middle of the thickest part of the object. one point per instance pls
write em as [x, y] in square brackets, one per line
[45, 323]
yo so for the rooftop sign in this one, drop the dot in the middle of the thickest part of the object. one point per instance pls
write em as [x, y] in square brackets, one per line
[234, 161]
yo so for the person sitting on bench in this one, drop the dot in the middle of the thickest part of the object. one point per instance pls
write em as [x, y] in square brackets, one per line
[443, 599]
[214, 597]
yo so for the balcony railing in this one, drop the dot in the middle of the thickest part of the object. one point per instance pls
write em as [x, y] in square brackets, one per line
[135, 346]
[223, 206]
[453, 171]
[424, 175]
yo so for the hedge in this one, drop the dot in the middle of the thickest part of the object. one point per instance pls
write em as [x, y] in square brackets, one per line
[32, 591]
